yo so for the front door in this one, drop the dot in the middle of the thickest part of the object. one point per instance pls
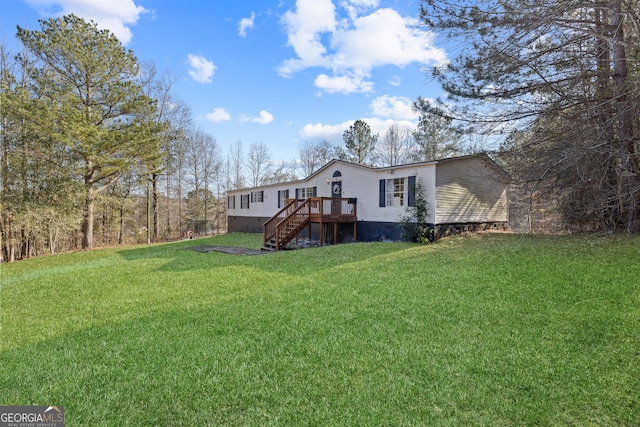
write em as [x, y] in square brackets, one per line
[336, 193]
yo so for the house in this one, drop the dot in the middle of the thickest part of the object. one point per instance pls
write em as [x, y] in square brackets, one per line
[345, 201]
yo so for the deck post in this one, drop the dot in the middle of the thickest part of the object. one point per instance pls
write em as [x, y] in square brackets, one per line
[313, 210]
[355, 221]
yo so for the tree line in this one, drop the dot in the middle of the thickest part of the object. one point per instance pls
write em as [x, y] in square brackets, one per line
[559, 83]
[91, 142]
[96, 148]
[554, 84]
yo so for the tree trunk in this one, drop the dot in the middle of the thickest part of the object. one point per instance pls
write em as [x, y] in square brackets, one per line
[121, 230]
[154, 206]
[87, 223]
[628, 162]
[168, 206]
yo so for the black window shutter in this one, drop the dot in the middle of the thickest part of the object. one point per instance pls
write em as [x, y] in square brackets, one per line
[315, 192]
[279, 199]
[383, 186]
[411, 198]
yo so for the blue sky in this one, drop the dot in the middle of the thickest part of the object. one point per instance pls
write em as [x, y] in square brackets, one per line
[281, 72]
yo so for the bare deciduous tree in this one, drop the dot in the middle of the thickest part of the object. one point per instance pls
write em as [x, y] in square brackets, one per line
[258, 163]
[235, 166]
[397, 146]
[314, 155]
[563, 77]
[203, 168]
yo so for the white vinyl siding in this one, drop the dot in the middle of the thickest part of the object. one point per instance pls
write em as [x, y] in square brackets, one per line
[360, 182]
[470, 191]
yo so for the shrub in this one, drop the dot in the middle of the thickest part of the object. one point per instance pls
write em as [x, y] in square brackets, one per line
[413, 225]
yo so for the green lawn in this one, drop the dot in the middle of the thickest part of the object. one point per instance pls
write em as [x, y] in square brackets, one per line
[492, 330]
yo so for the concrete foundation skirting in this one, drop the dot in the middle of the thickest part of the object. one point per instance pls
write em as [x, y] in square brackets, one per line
[367, 231]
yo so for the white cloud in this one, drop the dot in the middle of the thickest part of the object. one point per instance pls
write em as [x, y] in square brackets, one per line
[114, 15]
[356, 7]
[343, 84]
[352, 46]
[384, 38]
[201, 69]
[318, 131]
[304, 27]
[218, 115]
[364, 3]
[333, 133]
[395, 81]
[394, 107]
[381, 126]
[264, 118]
[246, 24]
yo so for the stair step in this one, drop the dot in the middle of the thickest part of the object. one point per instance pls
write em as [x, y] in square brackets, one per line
[287, 231]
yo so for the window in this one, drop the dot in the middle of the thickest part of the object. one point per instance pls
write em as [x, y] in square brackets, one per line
[282, 198]
[231, 202]
[257, 196]
[244, 201]
[397, 192]
[305, 193]
[337, 174]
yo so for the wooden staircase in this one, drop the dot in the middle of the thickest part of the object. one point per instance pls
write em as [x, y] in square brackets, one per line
[284, 226]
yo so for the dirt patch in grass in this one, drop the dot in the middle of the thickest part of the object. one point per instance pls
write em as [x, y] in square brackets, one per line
[234, 250]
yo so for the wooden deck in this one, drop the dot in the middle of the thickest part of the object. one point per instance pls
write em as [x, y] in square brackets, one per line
[297, 214]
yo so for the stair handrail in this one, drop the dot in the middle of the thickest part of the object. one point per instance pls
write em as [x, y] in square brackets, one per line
[269, 226]
[281, 228]
[289, 218]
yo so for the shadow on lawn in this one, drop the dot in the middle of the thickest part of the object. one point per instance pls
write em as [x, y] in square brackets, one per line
[190, 358]
[213, 360]
[220, 365]
[217, 252]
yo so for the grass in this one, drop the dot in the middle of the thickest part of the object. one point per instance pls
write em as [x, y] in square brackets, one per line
[474, 330]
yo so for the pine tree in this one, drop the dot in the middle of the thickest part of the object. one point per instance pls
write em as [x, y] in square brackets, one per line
[436, 137]
[566, 76]
[87, 99]
[359, 143]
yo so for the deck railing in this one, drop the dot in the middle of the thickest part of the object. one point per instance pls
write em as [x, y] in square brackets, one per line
[289, 221]
[269, 227]
[332, 207]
